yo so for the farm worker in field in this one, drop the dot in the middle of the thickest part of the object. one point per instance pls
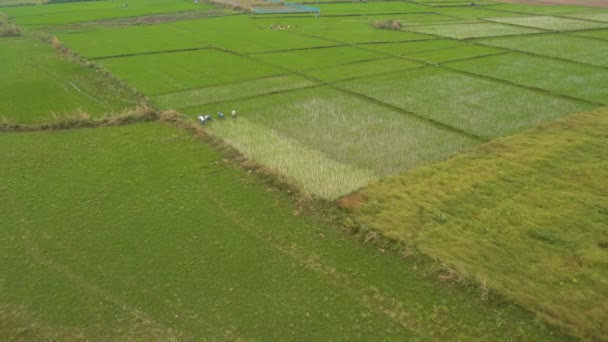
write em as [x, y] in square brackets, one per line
[233, 113]
[220, 115]
[202, 119]
[207, 117]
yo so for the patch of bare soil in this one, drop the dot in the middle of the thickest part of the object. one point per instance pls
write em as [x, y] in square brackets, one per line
[584, 3]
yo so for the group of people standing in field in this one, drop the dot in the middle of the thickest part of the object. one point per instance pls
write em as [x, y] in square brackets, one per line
[206, 118]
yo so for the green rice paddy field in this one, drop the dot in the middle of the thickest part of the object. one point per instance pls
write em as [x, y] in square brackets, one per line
[145, 232]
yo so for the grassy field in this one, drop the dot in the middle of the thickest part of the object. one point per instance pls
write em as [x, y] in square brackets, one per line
[37, 81]
[574, 48]
[82, 11]
[478, 106]
[577, 80]
[141, 232]
[330, 142]
[525, 215]
[169, 72]
[164, 239]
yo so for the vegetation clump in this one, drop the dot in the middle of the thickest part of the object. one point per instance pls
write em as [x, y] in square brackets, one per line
[391, 24]
[8, 29]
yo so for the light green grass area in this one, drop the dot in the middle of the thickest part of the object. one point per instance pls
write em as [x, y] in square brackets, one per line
[36, 81]
[551, 23]
[599, 34]
[596, 15]
[140, 232]
[104, 42]
[234, 91]
[331, 143]
[366, 34]
[464, 31]
[578, 49]
[539, 9]
[170, 72]
[362, 69]
[572, 79]
[475, 105]
[524, 215]
[393, 7]
[316, 58]
[460, 52]
[75, 12]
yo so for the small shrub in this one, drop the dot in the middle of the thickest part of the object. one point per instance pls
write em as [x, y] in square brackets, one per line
[392, 24]
[8, 29]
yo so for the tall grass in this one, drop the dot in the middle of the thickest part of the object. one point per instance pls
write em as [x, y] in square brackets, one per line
[525, 215]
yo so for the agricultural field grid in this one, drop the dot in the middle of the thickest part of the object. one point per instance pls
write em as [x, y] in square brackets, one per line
[324, 118]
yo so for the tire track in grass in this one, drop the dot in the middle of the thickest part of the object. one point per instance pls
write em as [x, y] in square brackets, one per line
[33, 251]
[369, 296]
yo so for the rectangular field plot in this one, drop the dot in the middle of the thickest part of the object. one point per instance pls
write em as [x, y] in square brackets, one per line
[103, 228]
[316, 58]
[551, 23]
[364, 68]
[566, 78]
[394, 7]
[330, 142]
[459, 52]
[170, 72]
[75, 12]
[575, 48]
[35, 82]
[464, 31]
[478, 106]
[596, 15]
[130, 40]
[598, 34]
[539, 9]
[408, 48]
[197, 97]
[367, 34]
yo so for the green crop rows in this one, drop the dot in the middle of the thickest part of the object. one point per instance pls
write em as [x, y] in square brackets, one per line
[145, 232]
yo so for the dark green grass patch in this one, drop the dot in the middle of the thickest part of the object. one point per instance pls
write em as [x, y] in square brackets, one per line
[36, 81]
[197, 97]
[171, 72]
[104, 42]
[459, 52]
[362, 68]
[572, 79]
[75, 12]
[575, 48]
[371, 8]
[478, 106]
[140, 232]
[316, 58]
[408, 48]
[600, 34]
[525, 215]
